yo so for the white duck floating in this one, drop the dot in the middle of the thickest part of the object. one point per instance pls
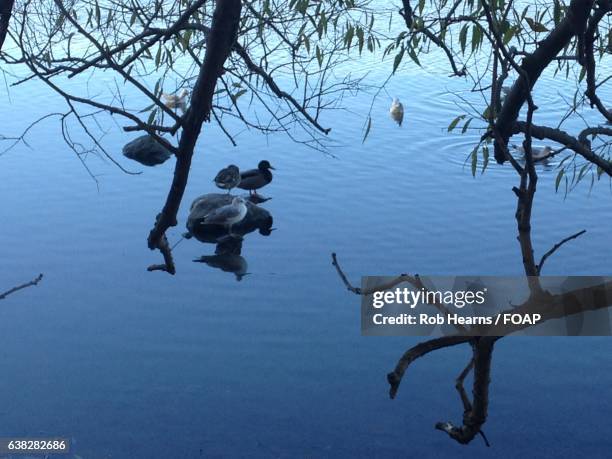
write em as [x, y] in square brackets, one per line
[537, 153]
[397, 111]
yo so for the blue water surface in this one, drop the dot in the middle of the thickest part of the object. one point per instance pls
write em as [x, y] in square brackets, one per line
[128, 363]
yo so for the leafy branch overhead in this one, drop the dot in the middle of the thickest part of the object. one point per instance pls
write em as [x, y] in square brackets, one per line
[502, 47]
[491, 42]
[277, 78]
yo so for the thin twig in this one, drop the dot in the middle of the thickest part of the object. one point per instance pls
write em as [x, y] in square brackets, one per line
[414, 280]
[556, 247]
[467, 405]
[395, 377]
[21, 287]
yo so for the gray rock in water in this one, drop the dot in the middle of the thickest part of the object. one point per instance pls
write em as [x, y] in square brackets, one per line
[146, 150]
[256, 218]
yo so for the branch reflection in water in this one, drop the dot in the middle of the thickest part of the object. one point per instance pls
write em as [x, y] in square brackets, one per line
[573, 299]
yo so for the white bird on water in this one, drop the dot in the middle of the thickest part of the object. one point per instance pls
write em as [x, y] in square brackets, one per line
[227, 215]
[537, 153]
[176, 100]
[397, 111]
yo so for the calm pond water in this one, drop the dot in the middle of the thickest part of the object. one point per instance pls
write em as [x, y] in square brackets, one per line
[128, 363]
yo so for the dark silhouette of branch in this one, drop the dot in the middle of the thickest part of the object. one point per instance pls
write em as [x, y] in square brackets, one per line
[476, 415]
[253, 67]
[113, 65]
[408, 14]
[503, 122]
[532, 66]
[583, 137]
[267, 78]
[384, 286]
[475, 411]
[557, 306]
[467, 404]
[98, 105]
[528, 176]
[154, 35]
[415, 281]
[21, 287]
[6, 11]
[556, 247]
[571, 142]
[166, 251]
[603, 8]
[222, 36]
[395, 377]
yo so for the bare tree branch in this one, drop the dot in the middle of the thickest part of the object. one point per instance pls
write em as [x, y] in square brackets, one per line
[21, 287]
[603, 7]
[571, 142]
[476, 416]
[222, 36]
[6, 10]
[533, 65]
[395, 377]
[556, 247]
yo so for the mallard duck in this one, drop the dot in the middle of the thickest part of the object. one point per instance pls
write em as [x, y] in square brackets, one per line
[228, 178]
[176, 100]
[256, 178]
[397, 111]
[227, 215]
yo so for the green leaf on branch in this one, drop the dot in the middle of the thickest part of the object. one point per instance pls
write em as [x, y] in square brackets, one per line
[367, 131]
[463, 38]
[485, 158]
[558, 180]
[454, 123]
[152, 116]
[398, 59]
[536, 26]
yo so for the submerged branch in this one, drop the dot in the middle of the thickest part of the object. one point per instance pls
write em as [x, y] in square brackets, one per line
[476, 416]
[32, 283]
[395, 377]
[378, 288]
[556, 247]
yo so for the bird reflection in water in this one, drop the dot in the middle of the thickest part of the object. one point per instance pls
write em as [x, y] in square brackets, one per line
[228, 243]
